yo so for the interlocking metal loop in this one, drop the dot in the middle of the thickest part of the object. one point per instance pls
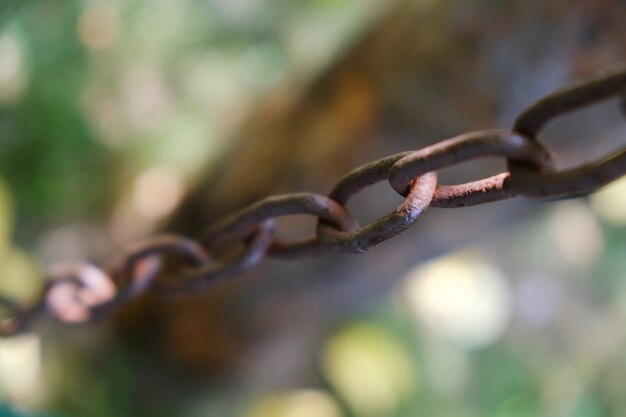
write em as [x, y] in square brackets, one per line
[199, 279]
[582, 179]
[240, 224]
[76, 289]
[463, 148]
[144, 261]
[79, 292]
[417, 200]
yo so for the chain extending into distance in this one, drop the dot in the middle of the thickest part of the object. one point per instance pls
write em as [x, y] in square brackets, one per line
[78, 292]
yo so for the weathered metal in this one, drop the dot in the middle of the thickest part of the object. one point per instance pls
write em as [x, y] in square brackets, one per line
[79, 292]
[582, 179]
[463, 148]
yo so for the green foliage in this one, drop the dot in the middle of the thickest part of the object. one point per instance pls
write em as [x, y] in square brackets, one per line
[54, 166]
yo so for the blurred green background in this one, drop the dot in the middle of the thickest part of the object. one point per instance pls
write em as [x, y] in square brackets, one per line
[110, 110]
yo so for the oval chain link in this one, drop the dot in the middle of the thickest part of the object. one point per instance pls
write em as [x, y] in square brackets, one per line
[416, 201]
[464, 148]
[585, 178]
[239, 225]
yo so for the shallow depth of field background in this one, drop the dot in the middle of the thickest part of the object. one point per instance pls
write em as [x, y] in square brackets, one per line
[111, 111]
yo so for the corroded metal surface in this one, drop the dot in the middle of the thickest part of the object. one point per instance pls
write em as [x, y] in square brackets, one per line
[79, 292]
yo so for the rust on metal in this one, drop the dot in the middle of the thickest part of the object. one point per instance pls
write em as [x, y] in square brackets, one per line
[145, 259]
[79, 292]
[203, 277]
[487, 190]
[417, 200]
[239, 225]
[464, 148]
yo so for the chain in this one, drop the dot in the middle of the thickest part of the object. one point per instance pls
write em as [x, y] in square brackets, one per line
[79, 292]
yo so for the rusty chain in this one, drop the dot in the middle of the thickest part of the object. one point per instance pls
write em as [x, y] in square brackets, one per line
[79, 292]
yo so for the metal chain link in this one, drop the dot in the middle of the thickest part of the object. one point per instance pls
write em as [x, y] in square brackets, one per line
[79, 292]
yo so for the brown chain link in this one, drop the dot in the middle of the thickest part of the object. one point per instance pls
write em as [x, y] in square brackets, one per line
[78, 292]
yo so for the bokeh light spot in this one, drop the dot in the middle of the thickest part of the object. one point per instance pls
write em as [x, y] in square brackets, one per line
[299, 403]
[610, 203]
[577, 233]
[145, 97]
[157, 192]
[462, 299]
[99, 25]
[20, 275]
[20, 367]
[370, 369]
[13, 77]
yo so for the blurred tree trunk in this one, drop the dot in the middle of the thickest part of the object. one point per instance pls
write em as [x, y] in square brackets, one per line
[425, 71]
